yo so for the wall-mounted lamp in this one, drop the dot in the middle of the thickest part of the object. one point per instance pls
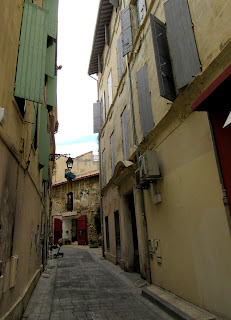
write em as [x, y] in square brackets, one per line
[69, 163]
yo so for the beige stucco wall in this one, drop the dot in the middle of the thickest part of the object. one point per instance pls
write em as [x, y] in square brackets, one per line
[84, 203]
[24, 200]
[191, 221]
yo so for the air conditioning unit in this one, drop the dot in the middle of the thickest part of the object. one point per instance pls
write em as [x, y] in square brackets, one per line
[148, 166]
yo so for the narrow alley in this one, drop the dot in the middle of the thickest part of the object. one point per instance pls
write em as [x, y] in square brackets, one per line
[82, 286]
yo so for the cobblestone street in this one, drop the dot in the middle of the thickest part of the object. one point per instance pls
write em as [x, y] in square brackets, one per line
[82, 286]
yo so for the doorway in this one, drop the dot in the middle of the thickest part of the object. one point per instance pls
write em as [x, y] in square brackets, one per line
[131, 207]
[117, 234]
[74, 230]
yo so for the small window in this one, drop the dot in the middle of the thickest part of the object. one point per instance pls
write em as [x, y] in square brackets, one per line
[70, 201]
[107, 234]
[109, 86]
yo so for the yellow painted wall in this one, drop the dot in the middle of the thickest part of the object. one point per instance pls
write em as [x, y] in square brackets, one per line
[191, 221]
[24, 200]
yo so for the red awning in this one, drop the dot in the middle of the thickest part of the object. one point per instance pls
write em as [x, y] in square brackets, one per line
[216, 94]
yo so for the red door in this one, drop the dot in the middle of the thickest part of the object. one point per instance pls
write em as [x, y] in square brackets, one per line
[223, 143]
[82, 230]
[58, 230]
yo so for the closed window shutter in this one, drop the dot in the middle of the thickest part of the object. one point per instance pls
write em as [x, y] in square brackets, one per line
[120, 57]
[104, 107]
[96, 117]
[34, 133]
[126, 30]
[124, 120]
[51, 58]
[44, 142]
[163, 63]
[115, 3]
[104, 168]
[30, 74]
[141, 10]
[106, 35]
[100, 67]
[144, 100]
[112, 152]
[52, 7]
[182, 43]
[109, 86]
[52, 91]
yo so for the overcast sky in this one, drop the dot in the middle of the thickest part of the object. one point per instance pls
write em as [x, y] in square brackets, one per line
[76, 91]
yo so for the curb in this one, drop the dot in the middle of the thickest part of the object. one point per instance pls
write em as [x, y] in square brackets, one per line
[175, 306]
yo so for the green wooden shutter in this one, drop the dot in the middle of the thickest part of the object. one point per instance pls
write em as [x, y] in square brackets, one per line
[44, 140]
[51, 58]
[51, 91]
[30, 74]
[52, 7]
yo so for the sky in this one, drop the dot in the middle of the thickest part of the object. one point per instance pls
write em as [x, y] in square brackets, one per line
[76, 90]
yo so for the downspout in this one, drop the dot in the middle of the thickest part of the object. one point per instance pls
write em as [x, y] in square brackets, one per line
[141, 192]
[223, 188]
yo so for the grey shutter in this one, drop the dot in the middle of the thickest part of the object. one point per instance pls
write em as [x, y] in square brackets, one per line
[141, 10]
[163, 63]
[115, 3]
[182, 42]
[112, 152]
[126, 30]
[106, 35]
[120, 57]
[104, 107]
[100, 68]
[104, 168]
[144, 100]
[124, 119]
[96, 117]
[52, 91]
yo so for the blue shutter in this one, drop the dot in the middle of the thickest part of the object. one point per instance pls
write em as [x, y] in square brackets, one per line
[124, 120]
[30, 75]
[52, 7]
[112, 152]
[163, 63]
[126, 30]
[182, 43]
[120, 57]
[144, 100]
[96, 117]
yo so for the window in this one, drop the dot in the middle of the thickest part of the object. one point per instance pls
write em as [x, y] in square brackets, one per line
[107, 234]
[109, 86]
[70, 201]
[34, 134]
[124, 121]
[103, 107]
[104, 168]
[112, 152]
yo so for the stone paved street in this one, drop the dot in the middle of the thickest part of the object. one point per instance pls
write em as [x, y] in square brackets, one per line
[82, 286]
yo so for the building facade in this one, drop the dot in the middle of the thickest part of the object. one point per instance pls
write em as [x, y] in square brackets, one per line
[27, 126]
[76, 202]
[163, 72]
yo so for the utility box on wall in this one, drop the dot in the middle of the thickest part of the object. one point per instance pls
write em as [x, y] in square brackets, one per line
[149, 167]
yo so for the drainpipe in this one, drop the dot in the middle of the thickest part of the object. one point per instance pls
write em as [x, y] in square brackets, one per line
[224, 194]
[141, 192]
